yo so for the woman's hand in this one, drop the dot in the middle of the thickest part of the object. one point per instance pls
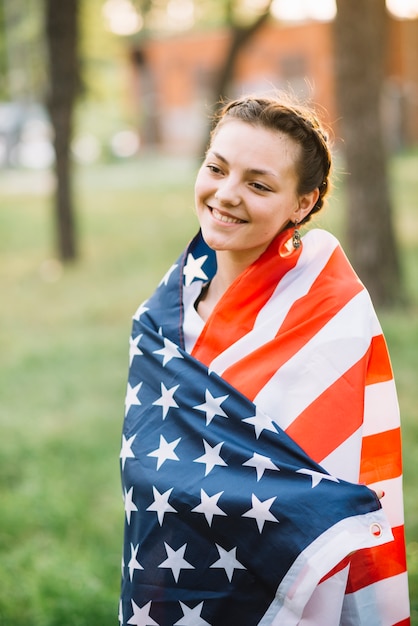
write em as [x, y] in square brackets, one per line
[379, 492]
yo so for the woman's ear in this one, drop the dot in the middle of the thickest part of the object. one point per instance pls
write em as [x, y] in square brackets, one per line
[306, 203]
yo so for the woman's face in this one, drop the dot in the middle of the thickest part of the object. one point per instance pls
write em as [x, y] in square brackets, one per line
[246, 189]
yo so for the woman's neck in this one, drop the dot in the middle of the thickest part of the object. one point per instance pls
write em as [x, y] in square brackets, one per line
[226, 273]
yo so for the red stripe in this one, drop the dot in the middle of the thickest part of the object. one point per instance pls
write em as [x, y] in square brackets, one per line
[404, 622]
[381, 457]
[380, 369]
[320, 437]
[238, 309]
[370, 565]
[334, 287]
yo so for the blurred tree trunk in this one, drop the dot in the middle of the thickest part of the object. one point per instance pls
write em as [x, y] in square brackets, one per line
[360, 35]
[240, 35]
[61, 34]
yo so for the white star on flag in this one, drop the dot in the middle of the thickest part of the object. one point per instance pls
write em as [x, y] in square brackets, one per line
[134, 349]
[260, 511]
[132, 397]
[261, 422]
[167, 275]
[160, 504]
[227, 561]
[211, 456]
[175, 560]
[261, 463]
[141, 615]
[193, 268]
[129, 504]
[126, 451]
[167, 399]
[209, 506]
[191, 617]
[170, 351]
[211, 406]
[141, 309]
[133, 563]
[165, 451]
[317, 476]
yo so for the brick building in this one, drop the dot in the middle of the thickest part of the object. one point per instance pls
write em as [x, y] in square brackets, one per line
[173, 78]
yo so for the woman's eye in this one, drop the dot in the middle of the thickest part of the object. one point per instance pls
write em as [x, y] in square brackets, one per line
[214, 169]
[260, 187]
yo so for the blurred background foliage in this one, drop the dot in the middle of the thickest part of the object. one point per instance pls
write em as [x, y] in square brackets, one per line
[64, 327]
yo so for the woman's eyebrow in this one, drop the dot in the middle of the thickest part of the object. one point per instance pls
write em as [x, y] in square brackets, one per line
[260, 172]
[219, 156]
[250, 170]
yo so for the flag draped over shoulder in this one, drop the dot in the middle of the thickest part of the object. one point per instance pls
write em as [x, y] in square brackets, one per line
[237, 498]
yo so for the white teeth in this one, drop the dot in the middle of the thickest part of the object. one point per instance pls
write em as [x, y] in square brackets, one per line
[224, 218]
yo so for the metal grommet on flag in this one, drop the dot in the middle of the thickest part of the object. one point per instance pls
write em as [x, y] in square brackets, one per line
[376, 529]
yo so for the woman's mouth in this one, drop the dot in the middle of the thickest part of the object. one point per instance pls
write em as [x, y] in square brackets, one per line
[225, 218]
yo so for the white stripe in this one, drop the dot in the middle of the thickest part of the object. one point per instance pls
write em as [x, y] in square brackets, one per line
[193, 324]
[325, 604]
[336, 462]
[315, 254]
[377, 329]
[381, 408]
[340, 344]
[319, 558]
[392, 501]
[381, 604]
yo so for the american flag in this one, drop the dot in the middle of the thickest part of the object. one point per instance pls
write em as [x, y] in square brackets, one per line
[227, 519]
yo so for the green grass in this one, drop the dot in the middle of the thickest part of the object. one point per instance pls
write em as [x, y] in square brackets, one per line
[63, 367]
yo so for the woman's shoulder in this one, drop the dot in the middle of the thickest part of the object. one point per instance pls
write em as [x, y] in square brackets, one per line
[323, 250]
[334, 276]
[321, 237]
[320, 245]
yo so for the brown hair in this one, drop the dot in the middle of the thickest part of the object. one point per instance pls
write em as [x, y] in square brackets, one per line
[298, 122]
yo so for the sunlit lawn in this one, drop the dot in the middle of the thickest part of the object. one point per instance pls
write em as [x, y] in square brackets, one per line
[63, 359]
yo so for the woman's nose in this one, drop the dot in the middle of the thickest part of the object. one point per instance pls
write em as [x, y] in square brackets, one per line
[228, 193]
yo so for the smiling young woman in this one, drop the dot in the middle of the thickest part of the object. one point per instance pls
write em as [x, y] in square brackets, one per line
[260, 403]
[246, 192]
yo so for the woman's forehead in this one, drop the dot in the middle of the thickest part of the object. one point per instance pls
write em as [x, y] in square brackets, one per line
[260, 147]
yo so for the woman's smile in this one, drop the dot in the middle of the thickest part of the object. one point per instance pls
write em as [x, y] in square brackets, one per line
[225, 218]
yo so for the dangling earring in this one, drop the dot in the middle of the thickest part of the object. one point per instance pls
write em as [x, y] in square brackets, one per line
[296, 237]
